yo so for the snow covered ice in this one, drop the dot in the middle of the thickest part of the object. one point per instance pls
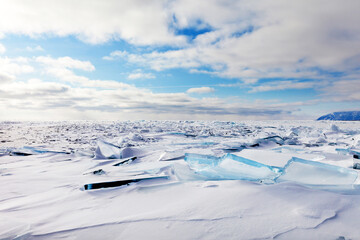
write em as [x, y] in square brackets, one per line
[188, 179]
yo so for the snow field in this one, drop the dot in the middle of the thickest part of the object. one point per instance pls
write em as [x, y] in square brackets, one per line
[44, 167]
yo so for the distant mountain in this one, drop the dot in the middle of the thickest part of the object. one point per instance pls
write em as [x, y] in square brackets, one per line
[342, 116]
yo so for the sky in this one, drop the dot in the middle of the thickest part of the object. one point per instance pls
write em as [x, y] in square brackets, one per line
[178, 59]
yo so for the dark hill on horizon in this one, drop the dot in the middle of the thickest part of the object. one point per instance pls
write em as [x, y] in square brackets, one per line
[342, 116]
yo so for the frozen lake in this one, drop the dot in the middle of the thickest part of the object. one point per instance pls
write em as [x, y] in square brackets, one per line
[179, 180]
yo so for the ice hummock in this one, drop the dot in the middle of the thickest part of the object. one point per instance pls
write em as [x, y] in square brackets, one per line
[316, 173]
[231, 167]
[106, 150]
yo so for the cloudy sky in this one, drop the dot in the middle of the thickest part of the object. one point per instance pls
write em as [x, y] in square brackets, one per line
[178, 59]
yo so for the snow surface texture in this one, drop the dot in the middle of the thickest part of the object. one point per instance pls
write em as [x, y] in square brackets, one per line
[342, 116]
[179, 180]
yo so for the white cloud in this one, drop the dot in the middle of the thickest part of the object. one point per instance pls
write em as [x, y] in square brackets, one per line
[283, 85]
[107, 99]
[4, 77]
[14, 66]
[66, 62]
[120, 103]
[342, 90]
[61, 68]
[264, 39]
[140, 75]
[2, 49]
[136, 21]
[37, 48]
[248, 39]
[201, 90]
[77, 94]
[166, 60]
[116, 54]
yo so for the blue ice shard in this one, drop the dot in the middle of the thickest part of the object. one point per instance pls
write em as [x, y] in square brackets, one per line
[343, 151]
[233, 147]
[355, 153]
[231, 167]
[92, 186]
[347, 151]
[287, 149]
[199, 161]
[356, 157]
[3, 152]
[271, 139]
[27, 151]
[316, 173]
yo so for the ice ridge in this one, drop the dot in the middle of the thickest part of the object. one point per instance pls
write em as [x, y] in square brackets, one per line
[305, 172]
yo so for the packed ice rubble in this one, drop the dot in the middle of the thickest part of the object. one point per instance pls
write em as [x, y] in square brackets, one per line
[164, 143]
[233, 167]
[84, 135]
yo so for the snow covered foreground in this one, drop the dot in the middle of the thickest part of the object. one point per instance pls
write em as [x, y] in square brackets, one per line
[44, 168]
